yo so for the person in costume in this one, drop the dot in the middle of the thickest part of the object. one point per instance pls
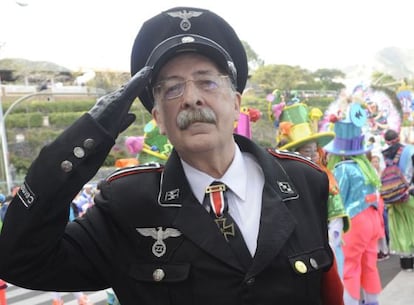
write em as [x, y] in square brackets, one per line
[247, 116]
[376, 160]
[377, 118]
[401, 215]
[152, 147]
[223, 222]
[3, 287]
[359, 188]
[301, 135]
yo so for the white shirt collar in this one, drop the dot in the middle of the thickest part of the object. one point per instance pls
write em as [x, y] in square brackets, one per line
[235, 177]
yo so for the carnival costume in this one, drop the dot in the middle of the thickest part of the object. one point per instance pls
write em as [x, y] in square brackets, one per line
[358, 185]
[299, 127]
[401, 215]
[151, 147]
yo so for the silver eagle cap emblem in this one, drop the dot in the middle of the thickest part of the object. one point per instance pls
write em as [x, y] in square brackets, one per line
[185, 15]
[159, 248]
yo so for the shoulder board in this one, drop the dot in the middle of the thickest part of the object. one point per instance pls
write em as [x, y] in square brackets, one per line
[142, 168]
[285, 154]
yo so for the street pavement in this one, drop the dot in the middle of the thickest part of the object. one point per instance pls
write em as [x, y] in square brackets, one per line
[398, 286]
[20, 296]
[398, 289]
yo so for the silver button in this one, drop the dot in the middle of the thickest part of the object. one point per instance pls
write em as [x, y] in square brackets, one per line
[66, 166]
[158, 275]
[89, 143]
[313, 263]
[79, 152]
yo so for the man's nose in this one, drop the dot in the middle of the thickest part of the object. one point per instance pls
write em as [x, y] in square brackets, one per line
[191, 95]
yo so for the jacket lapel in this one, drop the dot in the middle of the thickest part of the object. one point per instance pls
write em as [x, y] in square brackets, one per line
[192, 219]
[276, 225]
[276, 221]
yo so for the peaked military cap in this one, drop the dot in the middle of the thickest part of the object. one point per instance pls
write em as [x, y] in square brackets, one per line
[188, 29]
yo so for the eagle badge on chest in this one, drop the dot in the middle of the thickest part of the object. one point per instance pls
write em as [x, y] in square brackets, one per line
[159, 248]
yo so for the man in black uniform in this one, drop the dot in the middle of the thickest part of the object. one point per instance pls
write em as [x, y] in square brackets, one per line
[223, 222]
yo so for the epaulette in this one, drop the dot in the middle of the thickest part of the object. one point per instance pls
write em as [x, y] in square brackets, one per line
[285, 154]
[142, 168]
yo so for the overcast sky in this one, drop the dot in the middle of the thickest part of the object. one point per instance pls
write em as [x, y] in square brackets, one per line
[82, 34]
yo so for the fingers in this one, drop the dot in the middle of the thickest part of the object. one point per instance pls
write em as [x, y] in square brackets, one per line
[137, 83]
[111, 110]
[129, 119]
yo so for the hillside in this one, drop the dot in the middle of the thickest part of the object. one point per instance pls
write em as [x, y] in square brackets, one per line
[397, 62]
[27, 71]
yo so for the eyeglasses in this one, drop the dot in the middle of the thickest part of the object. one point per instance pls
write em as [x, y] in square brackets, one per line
[173, 88]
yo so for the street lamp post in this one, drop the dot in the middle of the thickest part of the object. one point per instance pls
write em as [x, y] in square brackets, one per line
[4, 147]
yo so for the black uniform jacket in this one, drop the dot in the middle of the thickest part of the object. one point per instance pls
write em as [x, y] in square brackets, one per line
[149, 238]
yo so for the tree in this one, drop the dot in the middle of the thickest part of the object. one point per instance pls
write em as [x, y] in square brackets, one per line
[282, 77]
[328, 75]
[253, 59]
[326, 79]
[383, 79]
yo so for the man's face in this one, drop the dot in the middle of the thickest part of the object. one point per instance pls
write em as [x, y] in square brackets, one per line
[195, 105]
[308, 150]
[375, 161]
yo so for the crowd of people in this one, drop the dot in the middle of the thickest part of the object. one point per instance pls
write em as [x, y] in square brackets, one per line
[302, 223]
[362, 228]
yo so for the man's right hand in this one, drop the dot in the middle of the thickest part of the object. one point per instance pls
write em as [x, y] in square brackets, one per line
[111, 110]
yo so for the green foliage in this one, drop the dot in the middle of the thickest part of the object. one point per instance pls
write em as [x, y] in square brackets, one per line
[46, 107]
[27, 120]
[253, 59]
[328, 74]
[109, 161]
[319, 102]
[21, 164]
[381, 79]
[63, 119]
[109, 80]
[284, 77]
[21, 120]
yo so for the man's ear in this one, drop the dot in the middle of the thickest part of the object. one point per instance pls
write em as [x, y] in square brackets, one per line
[157, 116]
[237, 105]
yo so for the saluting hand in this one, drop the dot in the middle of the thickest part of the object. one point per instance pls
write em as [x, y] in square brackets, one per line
[111, 110]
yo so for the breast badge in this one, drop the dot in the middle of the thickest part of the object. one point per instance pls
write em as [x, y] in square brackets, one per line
[159, 248]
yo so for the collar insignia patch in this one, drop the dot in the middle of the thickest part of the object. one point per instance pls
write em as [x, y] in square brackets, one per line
[172, 195]
[285, 187]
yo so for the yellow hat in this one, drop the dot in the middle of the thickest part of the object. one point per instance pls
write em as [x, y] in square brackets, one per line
[298, 126]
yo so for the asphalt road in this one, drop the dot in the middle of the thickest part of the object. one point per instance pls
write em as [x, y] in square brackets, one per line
[389, 269]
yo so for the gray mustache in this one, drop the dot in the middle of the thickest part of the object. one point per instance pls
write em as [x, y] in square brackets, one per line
[187, 117]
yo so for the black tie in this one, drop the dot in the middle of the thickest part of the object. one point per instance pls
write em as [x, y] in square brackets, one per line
[215, 201]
